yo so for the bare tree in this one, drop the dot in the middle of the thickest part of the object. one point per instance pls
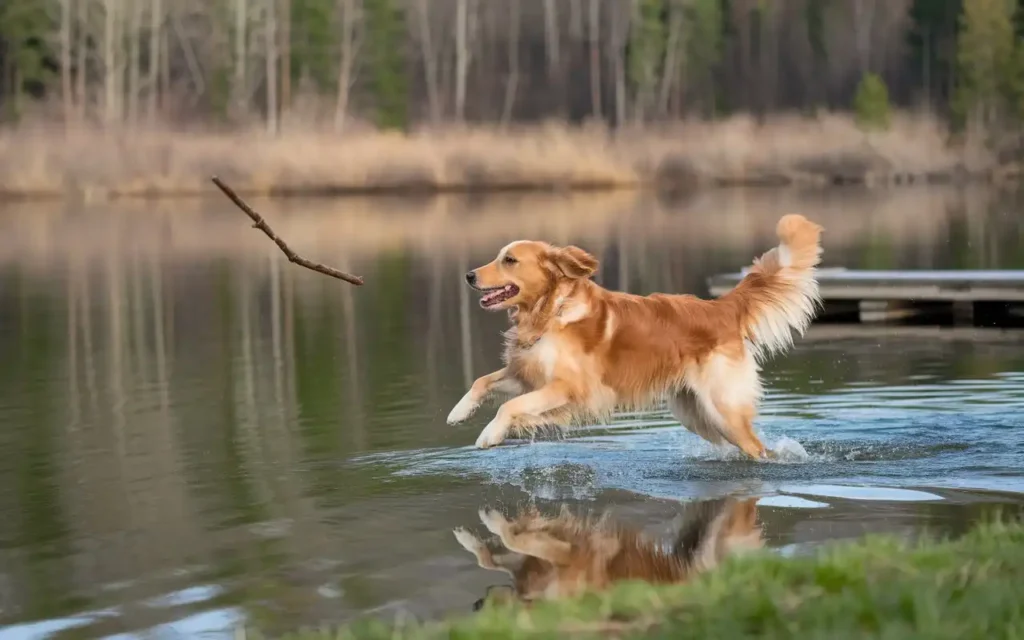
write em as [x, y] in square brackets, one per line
[594, 36]
[620, 17]
[552, 43]
[134, 61]
[111, 64]
[145, 59]
[270, 31]
[673, 53]
[349, 48]
[65, 61]
[512, 83]
[286, 55]
[863, 19]
[156, 25]
[81, 53]
[239, 87]
[461, 58]
[430, 60]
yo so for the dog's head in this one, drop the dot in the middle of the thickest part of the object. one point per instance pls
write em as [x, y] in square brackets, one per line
[526, 270]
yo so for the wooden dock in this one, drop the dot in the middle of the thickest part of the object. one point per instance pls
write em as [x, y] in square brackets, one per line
[975, 298]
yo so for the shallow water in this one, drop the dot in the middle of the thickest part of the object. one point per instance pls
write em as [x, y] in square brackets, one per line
[194, 433]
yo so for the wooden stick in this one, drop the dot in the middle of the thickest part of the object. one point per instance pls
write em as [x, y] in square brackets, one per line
[261, 224]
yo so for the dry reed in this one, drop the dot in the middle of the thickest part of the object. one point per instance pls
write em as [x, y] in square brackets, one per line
[40, 161]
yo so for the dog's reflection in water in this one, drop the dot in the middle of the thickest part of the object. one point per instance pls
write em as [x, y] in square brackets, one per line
[555, 557]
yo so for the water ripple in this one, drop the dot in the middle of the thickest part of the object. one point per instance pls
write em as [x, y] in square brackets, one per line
[965, 433]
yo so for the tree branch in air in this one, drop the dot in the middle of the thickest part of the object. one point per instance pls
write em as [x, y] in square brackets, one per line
[261, 224]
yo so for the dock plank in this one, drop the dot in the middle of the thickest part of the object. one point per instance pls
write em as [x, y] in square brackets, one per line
[944, 285]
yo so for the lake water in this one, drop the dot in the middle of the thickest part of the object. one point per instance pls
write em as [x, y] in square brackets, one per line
[195, 433]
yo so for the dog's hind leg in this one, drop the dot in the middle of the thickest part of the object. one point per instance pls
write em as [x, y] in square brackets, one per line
[727, 390]
[716, 529]
[686, 408]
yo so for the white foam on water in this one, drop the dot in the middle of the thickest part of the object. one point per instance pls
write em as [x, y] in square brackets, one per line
[790, 502]
[860, 492]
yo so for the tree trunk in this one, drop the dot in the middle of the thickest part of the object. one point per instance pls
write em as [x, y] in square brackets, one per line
[429, 63]
[553, 45]
[111, 66]
[595, 57]
[620, 31]
[863, 20]
[165, 69]
[239, 89]
[156, 22]
[286, 55]
[82, 61]
[134, 69]
[461, 59]
[346, 64]
[512, 84]
[672, 50]
[271, 60]
[551, 42]
[65, 62]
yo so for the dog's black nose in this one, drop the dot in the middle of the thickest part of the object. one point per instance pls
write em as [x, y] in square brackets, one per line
[471, 277]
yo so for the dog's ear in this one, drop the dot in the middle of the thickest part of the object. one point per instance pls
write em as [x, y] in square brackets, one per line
[574, 263]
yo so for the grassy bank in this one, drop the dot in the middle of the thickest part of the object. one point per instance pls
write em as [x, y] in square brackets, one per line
[38, 162]
[972, 587]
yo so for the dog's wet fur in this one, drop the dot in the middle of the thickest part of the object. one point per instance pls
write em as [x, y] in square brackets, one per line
[562, 556]
[577, 351]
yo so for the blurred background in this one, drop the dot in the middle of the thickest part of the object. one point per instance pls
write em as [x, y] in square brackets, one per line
[407, 62]
[195, 433]
[151, 96]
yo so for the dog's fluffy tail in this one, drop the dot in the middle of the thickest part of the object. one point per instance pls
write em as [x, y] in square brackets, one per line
[780, 292]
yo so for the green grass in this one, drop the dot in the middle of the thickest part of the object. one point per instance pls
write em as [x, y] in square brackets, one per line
[972, 587]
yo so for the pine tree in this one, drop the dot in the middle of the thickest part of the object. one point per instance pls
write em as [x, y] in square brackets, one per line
[985, 61]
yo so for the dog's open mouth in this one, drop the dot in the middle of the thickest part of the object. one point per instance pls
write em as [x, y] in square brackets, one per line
[498, 295]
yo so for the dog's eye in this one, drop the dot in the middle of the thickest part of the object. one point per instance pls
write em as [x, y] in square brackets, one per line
[509, 260]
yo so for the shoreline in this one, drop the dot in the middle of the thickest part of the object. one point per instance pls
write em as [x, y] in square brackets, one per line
[414, 190]
[878, 586]
[45, 163]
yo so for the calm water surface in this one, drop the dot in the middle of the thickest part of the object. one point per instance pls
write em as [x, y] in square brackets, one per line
[194, 433]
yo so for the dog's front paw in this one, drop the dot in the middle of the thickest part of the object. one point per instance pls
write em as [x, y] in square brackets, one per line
[463, 410]
[492, 435]
[493, 520]
[468, 541]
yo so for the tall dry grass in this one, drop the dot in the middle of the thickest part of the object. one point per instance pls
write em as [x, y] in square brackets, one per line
[41, 161]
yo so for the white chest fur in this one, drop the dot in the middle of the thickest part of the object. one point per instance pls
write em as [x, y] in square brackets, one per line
[550, 355]
[545, 355]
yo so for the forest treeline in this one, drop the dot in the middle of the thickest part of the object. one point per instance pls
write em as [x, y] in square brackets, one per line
[403, 63]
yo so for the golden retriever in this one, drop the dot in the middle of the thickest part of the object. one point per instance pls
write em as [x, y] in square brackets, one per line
[577, 351]
[559, 557]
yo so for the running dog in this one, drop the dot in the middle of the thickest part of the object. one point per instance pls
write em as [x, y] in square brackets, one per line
[577, 351]
[559, 557]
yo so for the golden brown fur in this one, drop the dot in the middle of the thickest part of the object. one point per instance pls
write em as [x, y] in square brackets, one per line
[563, 556]
[577, 351]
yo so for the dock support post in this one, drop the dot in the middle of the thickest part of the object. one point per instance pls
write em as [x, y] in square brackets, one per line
[963, 313]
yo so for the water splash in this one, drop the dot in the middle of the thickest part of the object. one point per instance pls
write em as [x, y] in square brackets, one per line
[789, 451]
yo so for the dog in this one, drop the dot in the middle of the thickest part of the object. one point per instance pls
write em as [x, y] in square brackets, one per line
[559, 557]
[577, 351]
